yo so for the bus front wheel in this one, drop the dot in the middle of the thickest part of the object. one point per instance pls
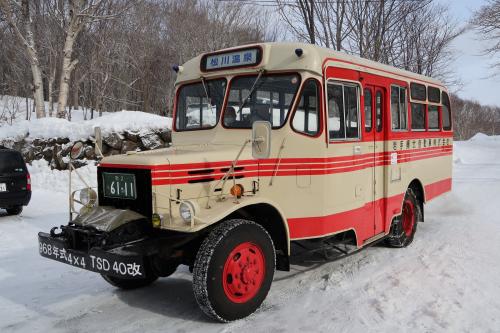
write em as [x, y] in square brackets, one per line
[404, 226]
[233, 270]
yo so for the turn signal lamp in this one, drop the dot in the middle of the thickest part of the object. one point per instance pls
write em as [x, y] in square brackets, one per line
[237, 190]
[156, 220]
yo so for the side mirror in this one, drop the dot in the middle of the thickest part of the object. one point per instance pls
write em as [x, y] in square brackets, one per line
[76, 151]
[261, 139]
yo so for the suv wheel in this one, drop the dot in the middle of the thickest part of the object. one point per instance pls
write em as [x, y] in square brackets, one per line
[14, 210]
[233, 270]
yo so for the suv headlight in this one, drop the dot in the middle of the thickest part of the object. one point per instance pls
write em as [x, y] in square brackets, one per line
[88, 197]
[187, 211]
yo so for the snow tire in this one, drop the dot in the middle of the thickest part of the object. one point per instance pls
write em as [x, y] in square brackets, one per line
[403, 232]
[218, 248]
[14, 210]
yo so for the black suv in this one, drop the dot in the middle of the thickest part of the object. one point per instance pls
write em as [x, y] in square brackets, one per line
[15, 182]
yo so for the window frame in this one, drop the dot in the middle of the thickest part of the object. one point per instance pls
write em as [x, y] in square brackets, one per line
[319, 107]
[450, 129]
[371, 90]
[176, 103]
[405, 107]
[414, 86]
[425, 117]
[292, 104]
[343, 83]
[438, 109]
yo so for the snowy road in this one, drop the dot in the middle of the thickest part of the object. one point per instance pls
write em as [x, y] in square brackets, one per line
[447, 280]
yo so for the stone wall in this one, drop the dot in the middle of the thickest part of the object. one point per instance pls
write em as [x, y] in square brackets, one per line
[56, 150]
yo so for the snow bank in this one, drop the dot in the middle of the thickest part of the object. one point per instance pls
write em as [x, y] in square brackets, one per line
[42, 177]
[81, 129]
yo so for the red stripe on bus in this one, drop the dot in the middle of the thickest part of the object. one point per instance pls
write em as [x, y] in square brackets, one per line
[310, 227]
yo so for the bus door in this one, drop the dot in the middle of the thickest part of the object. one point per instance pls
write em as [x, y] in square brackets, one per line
[373, 98]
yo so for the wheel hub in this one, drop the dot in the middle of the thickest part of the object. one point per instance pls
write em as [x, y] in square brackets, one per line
[244, 272]
[408, 218]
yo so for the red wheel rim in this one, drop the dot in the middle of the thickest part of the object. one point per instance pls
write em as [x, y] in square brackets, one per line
[244, 272]
[408, 217]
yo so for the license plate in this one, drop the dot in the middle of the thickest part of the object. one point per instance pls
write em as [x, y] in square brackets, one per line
[119, 185]
[99, 261]
[3, 187]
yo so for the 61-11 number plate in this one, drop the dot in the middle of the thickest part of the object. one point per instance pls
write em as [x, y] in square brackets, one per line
[119, 185]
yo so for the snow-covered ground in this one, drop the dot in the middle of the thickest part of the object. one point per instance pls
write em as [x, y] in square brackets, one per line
[81, 126]
[448, 280]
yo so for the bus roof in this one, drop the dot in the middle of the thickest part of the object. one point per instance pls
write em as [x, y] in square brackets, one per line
[282, 57]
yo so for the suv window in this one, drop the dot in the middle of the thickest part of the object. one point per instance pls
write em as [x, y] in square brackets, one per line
[11, 162]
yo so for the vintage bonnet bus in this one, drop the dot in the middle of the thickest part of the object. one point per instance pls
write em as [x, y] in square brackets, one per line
[272, 143]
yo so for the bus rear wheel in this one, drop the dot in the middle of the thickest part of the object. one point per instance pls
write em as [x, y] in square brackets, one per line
[233, 270]
[404, 226]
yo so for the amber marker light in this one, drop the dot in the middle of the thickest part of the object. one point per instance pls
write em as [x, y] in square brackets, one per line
[237, 190]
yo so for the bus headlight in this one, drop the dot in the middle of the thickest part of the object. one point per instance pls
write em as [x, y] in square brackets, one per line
[187, 211]
[88, 197]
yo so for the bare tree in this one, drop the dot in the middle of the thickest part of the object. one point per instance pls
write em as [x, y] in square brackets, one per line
[487, 22]
[27, 39]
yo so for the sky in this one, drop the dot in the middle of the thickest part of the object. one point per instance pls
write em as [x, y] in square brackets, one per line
[472, 67]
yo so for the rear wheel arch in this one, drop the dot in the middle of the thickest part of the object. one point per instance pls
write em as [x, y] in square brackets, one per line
[419, 191]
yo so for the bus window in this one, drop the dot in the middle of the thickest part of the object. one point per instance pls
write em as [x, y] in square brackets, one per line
[194, 110]
[270, 99]
[417, 116]
[434, 94]
[446, 110]
[398, 108]
[378, 110]
[306, 118]
[368, 110]
[343, 111]
[418, 91]
[433, 114]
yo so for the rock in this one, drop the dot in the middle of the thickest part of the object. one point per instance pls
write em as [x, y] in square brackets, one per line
[132, 136]
[48, 153]
[62, 141]
[66, 148]
[150, 141]
[28, 153]
[105, 149]
[89, 153]
[165, 135]
[51, 141]
[59, 160]
[129, 146]
[114, 152]
[38, 142]
[114, 140]
[78, 163]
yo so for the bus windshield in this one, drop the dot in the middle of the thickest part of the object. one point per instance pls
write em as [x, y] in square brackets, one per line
[194, 109]
[270, 100]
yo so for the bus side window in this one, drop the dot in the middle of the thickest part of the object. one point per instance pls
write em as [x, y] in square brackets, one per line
[378, 110]
[343, 111]
[368, 110]
[306, 117]
[399, 111]
[336, 111]
[446, 112]
[433, 115]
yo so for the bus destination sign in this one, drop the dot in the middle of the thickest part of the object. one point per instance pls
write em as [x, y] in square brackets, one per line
[239, 58]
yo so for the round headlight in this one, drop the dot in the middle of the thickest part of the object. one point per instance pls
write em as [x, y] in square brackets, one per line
[186, 210]
[88, 197]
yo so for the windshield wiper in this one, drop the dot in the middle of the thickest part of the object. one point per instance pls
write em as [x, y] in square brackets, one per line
[244, 101]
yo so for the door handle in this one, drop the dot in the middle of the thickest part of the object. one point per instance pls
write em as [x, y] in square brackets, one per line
[357, 150]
